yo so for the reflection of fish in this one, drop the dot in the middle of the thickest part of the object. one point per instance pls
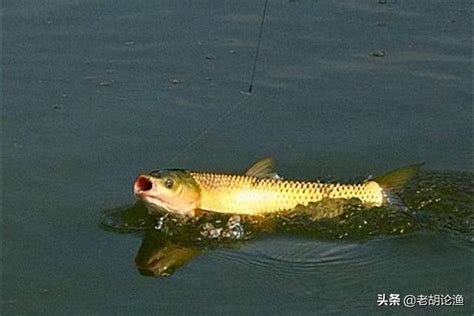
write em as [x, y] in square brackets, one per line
[161, 257]
[259, 191]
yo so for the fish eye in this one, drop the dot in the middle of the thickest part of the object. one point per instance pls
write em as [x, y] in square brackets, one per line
[169, 183]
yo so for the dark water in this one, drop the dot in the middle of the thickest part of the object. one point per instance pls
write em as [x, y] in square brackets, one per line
[95, 92]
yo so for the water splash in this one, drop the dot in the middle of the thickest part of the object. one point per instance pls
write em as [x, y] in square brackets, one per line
[436, 201]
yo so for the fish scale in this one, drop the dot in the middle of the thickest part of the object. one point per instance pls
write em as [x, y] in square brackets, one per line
[240, 194]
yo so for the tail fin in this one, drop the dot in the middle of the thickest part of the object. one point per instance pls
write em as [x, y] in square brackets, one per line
[393, 182]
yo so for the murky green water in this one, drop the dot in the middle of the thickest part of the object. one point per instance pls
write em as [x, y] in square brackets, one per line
[96, 92]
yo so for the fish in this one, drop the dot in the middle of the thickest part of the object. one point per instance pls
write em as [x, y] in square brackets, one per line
[260, 191]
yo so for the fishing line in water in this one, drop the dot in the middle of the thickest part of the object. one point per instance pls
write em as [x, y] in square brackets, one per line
[230, 110]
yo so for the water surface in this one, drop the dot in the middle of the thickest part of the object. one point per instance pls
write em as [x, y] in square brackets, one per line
[96, 92]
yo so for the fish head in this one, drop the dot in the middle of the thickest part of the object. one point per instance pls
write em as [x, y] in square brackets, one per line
[173, 190]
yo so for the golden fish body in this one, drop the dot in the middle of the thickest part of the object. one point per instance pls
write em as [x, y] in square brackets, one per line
[258, 192]
[240, 194]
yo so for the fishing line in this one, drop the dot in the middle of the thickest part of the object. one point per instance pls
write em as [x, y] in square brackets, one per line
[258, 46]
[230, 110]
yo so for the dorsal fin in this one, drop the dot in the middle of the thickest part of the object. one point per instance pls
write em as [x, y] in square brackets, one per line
[264, 168]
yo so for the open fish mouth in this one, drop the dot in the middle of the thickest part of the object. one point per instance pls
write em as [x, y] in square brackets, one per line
[146, 190]
[142, 185]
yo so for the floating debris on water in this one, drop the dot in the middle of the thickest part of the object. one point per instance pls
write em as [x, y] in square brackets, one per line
[16, 143]
[175, 81]
[106, 83]
[378, 53]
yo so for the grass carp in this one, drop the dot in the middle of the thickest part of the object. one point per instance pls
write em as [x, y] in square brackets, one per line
[259, 191]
